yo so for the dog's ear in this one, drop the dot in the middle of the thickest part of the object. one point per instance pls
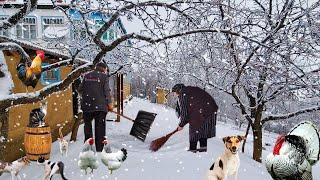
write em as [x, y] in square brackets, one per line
[241, 138]
[225, 139]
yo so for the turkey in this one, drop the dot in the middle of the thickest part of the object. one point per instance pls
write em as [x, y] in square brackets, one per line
[112, 160]
[87, 157]
[294, 154]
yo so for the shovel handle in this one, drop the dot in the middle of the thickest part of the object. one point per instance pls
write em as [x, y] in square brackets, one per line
[126, 117]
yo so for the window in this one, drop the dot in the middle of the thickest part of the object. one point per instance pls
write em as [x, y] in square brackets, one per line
[53, 27]
[98, 24]
[78, 31]
[105, 36]
[4, 32]
[111, 34]
[27, 29]
[52, 21]
[50, 76]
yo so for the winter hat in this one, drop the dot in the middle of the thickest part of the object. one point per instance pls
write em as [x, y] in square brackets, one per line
[101, 65]
[177, 88]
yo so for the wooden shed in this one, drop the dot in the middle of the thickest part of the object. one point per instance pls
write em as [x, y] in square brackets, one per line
[161, 95]
[59, 105]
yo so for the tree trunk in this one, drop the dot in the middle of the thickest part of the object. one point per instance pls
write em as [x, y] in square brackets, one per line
[246, 135]
[78, 120]
[257, 141]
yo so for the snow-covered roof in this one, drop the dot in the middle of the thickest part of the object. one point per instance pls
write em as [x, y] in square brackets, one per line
[40, 2]
[29, 45]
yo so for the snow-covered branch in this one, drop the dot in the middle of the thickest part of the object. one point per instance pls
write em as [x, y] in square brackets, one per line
[130, 5]
[28, 6]
[15, 47]
[290, 115]
[57, 64]
[25, 98]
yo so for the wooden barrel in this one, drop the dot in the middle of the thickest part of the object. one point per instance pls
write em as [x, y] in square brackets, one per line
[37, 142]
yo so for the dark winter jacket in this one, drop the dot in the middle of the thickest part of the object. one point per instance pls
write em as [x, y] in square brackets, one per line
[95, 92]
[199, 109]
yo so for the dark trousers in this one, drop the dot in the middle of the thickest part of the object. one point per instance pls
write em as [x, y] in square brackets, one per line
[203, 144]
[99, 126]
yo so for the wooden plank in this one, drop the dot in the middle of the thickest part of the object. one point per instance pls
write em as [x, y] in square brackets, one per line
[118, 97]
[121, 94]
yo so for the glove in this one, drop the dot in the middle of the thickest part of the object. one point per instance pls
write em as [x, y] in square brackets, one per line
[110, 107]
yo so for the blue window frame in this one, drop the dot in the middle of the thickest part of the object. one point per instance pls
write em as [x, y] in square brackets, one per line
[51, 76]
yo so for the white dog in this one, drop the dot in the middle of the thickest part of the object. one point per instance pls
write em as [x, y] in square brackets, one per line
[228, 163]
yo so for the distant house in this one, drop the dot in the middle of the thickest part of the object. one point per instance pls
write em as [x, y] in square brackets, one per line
[46, 24]
[39, 25]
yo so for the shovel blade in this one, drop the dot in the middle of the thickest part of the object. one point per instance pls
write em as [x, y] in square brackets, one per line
[142, 125]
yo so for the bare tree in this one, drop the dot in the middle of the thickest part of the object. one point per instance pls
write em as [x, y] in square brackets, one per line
[259, 78]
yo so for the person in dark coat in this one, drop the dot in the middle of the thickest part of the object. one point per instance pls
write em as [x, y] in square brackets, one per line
[95, 103]
[196, 107]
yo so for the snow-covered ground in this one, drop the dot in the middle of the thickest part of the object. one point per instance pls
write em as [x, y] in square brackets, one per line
[172, 162]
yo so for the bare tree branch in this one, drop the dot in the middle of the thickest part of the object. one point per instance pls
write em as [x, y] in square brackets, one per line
[290, 115]
[25, 98]
[15, 47]
[58, 64]
[28, 6]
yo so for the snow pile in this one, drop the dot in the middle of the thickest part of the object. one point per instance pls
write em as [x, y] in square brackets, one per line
[170, 162]
[6, 83]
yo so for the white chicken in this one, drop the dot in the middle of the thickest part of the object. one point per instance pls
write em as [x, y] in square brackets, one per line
[294, 154]
[112, 160]
[87, 157]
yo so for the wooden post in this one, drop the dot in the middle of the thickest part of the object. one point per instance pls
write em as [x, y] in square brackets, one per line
[4, 127]
[121, 94]
[118, 97]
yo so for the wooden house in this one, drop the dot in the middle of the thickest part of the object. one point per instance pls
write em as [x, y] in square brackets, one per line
[161, 95]
[59, 105]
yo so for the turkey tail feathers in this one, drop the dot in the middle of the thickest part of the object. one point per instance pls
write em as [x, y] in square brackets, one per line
[310, 133]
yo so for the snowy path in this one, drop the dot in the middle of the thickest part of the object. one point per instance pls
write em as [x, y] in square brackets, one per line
[172, 162]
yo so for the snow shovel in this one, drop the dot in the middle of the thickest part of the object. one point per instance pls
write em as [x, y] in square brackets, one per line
[141, 125]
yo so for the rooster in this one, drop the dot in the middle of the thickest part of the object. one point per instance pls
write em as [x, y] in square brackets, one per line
[87, 157]
[30, 75]
[112, 160]
[294, 154]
